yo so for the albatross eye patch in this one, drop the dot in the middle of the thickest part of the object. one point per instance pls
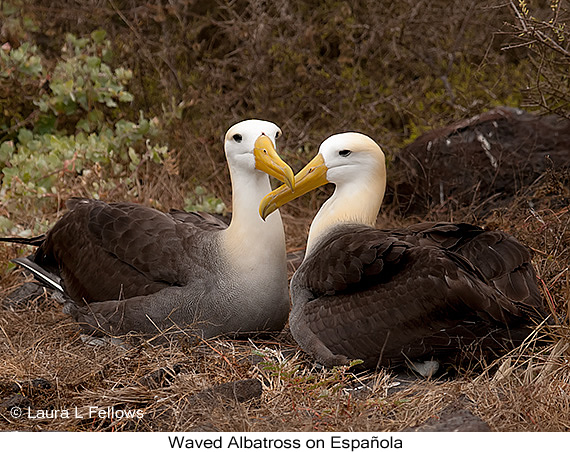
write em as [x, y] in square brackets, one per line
[237, 138]
[344, 153]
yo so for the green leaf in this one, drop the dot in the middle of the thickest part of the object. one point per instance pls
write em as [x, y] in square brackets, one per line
[134, 156]
[98, 36]
[10, 9]
[45, 124]
[62, 88]
[83, 124]
[34, 146]
[6, 150]
[69, 108]
[43, 105]
[93, 62]
[96, 117]
[124, 96]
[25, 136]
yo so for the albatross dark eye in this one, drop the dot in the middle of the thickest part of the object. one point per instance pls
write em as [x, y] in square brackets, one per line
[277, 134]
[344, 153]
[237, 138]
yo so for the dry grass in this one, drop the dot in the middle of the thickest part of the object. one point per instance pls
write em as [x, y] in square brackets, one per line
[295, 397]
[527, 390]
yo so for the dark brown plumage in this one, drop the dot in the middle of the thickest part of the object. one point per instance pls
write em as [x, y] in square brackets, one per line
[129, 268]
[387, 297]
[416, 293]
[132, 250]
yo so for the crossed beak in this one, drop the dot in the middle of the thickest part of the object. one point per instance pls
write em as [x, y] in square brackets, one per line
[312, 176]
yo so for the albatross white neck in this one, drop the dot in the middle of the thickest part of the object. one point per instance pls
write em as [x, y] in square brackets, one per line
[249, 239]
[355, 201]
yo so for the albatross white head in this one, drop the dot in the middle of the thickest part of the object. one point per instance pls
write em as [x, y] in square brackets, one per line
[356, 165]
[250, 151]
[251, 145]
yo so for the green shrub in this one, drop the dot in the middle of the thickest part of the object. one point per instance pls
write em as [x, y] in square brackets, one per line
[390, 69]
[69, 123]
[201, 200]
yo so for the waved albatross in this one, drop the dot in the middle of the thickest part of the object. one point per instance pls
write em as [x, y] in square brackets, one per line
[128, 268]
[392, 297]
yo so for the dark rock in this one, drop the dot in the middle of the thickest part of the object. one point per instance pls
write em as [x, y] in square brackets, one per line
[15, 401]
[37, 383]
[23, 296]
[160, 378]
[240, 391]
[481, 162]
[453, 419]
[23, 394]
[402, 381]
[195, 412]
[206, 427]
[28, 386]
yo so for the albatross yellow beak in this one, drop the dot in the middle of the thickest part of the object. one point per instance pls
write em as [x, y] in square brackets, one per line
[268, 161]
[313, 175]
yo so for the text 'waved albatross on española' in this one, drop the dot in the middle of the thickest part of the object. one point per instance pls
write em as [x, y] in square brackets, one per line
[128, 268]
[394, 296]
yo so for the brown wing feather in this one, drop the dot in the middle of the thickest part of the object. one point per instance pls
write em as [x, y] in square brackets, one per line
[203, 220]
[118, 250]
[497, 257]
[379, 295]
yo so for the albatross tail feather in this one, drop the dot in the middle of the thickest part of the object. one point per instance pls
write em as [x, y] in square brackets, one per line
[32, 241]
[46, 278]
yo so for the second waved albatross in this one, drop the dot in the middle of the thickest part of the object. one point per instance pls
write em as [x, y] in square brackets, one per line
[129, 268]
[391, 297]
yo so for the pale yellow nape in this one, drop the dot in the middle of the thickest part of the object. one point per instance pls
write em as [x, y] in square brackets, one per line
[360, 184]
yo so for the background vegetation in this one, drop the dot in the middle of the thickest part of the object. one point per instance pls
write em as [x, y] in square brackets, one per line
[129, 100]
